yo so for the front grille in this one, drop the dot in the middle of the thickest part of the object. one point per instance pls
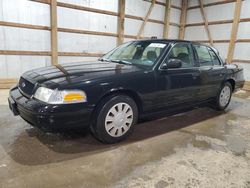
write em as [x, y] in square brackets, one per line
[26, 87]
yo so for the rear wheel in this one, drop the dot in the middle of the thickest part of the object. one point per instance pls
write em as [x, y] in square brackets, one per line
[115, 119]
[224, 96]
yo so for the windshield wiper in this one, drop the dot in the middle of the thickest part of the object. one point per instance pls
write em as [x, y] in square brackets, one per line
[121, 62]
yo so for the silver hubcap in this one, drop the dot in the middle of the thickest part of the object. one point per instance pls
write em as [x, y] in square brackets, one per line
[225, 96]
[119, 119]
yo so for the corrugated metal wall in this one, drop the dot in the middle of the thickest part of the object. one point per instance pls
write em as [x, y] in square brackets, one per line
[28, 12]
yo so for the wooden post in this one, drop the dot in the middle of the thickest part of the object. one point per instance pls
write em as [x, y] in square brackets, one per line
[167, 19]
[183, 19]
[120, 23]
[234, 31]
[204, 17]
[53, 20]
[146, 19]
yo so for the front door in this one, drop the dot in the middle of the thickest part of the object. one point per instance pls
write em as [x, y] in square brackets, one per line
[178, 85]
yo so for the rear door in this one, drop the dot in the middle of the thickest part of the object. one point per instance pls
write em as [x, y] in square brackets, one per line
[178, 85]
[212, 72]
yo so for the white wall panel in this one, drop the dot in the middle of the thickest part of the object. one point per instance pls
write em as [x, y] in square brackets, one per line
[222, 48]
[196, 33]
[131, 27]
[193, 3]
[175, 15]
[222, 31]
[194, 16]
[12, 66]
[70, 42]
[28, 12]
[152, 29]
[137, 7]
[110, 5]
[76, 19]
[220, 12]
[176, 3]
[12, 38]
[173, 32]
[245, 13]
[23, 11]
[242, 51]
[246, 70]
[157, 13]
[244, 30]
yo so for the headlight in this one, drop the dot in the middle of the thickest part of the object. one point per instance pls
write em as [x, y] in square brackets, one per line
[60, 97]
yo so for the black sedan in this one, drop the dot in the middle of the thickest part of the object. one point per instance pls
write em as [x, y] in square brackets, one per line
[136, 79]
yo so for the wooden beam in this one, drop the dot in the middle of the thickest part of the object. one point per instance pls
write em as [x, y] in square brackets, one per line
[234, 30]
[121, 20]
[6, 83]
[53, 23]
[240, 61]
[41, 1]
[214, 41]
[46, 53]
[19, 52]
[209, 23]
[245, 20]
[146, 19]
[167, 19]
[87, 32]
[212, 4]
[204, 17]
[176, 7]
[80, 54]
[88, 9]
[26, 26]
[242, 40]
[183, 19]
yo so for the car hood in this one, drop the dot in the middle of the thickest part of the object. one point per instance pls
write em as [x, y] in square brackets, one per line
[76, 72]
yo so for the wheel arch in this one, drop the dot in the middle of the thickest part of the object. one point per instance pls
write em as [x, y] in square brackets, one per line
[232, 82]
[132, 94]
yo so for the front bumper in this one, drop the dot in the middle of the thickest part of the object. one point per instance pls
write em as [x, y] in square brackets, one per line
[47, 116]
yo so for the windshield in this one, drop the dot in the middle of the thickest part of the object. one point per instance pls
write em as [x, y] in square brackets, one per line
[138, 53]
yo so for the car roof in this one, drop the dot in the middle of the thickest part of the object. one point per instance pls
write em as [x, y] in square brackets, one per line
[172, 41]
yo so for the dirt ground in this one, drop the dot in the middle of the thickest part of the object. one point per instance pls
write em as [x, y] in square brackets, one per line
[198, 148]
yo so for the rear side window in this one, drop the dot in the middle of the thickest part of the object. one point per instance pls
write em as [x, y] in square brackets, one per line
[204, 56]
[215, 58]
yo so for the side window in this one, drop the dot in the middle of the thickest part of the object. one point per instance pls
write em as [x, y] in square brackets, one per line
[204, 56]
[182, 52]
[215, 59]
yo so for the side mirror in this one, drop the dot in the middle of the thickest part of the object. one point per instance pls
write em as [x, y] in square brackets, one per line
[172, 64]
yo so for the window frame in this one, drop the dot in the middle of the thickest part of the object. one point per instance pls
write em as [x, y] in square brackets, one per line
[170, 49]
[208, 47]
[216, 54]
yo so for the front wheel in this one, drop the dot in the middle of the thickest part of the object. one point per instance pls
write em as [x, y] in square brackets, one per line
[115, 120]
[224, 96]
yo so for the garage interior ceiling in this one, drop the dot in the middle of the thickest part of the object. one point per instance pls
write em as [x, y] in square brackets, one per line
[37, 33]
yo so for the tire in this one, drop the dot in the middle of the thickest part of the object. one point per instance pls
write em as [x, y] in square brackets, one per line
[115, 119]
[224, 96]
